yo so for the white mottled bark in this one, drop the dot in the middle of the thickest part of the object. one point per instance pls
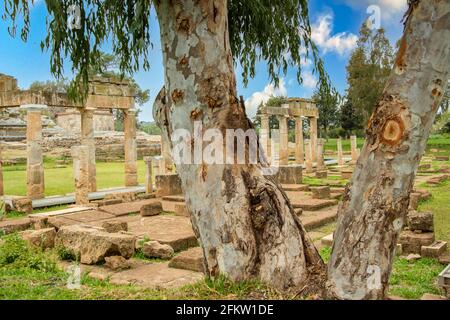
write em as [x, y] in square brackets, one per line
[244, 221]
[375, 203]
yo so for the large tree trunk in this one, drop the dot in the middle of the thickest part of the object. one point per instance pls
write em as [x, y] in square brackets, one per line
[375, 203]
[245, 224]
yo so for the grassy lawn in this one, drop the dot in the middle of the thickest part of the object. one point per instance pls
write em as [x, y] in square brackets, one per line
[439, 205]
[60, 181]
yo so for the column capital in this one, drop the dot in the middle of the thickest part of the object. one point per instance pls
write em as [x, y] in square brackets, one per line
[33, 107]
[130, 111]
[147, 159]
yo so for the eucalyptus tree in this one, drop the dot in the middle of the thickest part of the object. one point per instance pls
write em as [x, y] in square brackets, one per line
[244, 221]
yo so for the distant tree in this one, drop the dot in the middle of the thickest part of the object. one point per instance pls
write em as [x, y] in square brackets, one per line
[272, 102]
[327, 100]
[349, 117]
[368, 69]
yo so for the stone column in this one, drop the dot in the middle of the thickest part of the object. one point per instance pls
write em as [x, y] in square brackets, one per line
[313, 137]
[2, 191]
[80, 156]
[148, 175]
[354, 147]
[299, 140]
[320, 150]
[308, 160]
[130, 148]
[166, 154]
[284, 154]
[339, 152]
[88, 140]
[265, 134]
[35, 162]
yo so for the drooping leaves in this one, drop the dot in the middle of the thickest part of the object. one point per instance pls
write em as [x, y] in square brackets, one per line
[274, 31]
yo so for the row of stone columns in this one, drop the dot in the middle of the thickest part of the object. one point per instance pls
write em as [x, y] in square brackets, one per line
[284, 138]
[353, 147]
[35, 163]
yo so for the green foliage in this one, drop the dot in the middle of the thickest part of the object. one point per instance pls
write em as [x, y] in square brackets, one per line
[66, 254]
[412, 279]
[367, 71]
[274, 31]
[442, 123]
[15, 253]
[149, 127]
[327, 101]
[350, 119]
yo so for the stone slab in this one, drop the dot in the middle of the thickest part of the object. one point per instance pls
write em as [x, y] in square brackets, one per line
[316, 219]
[89, 216]
[126, 208]
[174, 198]
[444, 258]
[59, 221]
[11, 226]
[191, 259]
[327, 240]
[60, 212]
[156, 275]
[314, 204]
[295, 187]
[173, 230]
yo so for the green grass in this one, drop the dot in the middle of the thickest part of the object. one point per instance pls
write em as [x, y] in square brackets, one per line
[28, 273]
[439, 205]
[59, 181]
[412, 279]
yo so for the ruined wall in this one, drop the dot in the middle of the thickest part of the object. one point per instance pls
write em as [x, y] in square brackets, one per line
[71, 121]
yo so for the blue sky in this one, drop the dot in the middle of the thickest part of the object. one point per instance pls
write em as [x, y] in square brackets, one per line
[335, 25]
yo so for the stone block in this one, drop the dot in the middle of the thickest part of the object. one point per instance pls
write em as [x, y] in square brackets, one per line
[43, 238]
[327, 240]
[151, 209]
[154, 249]
[444, 258]
[191, 259]
[420, 221]
[11, 226]
[121, 196]
[320, 192]
[426, 166]
[289, 174]
[434, 250]
[23, 205]
[181, 210]
[321, 174]
[117, 263]
[115, 226]
[346, 174]
[412, 242]
[167, 184]
[414, 198]
[93, 244]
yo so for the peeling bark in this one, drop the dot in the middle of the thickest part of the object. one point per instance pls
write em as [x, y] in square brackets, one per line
[244, 221]
[373, 210]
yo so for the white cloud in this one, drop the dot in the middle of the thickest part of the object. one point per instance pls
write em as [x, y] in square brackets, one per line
[341, 43]
[391, 10]
[252, 103]
[309, 81]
